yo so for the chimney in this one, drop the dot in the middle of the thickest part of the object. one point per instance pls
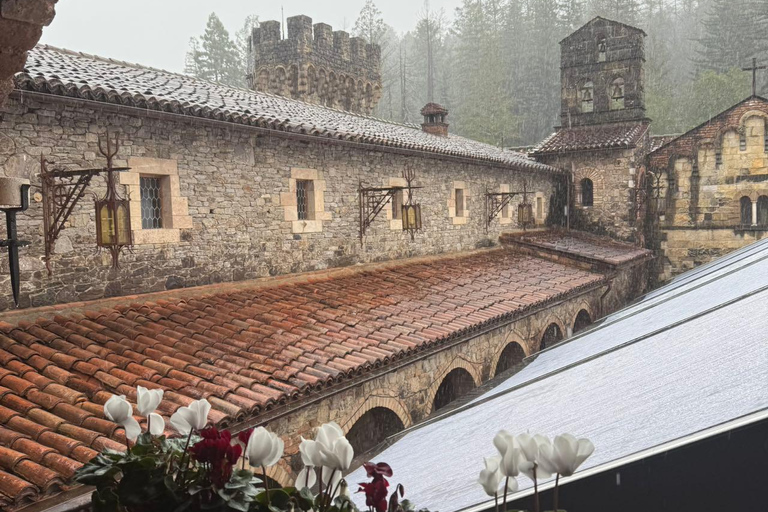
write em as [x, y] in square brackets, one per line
[434, 119]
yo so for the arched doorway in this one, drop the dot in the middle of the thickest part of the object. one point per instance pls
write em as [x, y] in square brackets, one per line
[583, 320]
[457, 383]
[373, 427]
[552, 334]
[512, 355]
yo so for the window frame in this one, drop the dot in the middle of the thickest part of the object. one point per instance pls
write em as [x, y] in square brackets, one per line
[587, 200]
[458, 202]
[745, 211]
[621, 100]
[307, 189]
[158, 202]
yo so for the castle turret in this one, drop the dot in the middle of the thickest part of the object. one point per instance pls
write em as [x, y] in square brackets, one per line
[315, 64]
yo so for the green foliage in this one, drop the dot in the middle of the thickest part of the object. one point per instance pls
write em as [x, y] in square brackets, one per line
[214, 56]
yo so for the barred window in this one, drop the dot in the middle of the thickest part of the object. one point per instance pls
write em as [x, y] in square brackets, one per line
[151, 203]
[742, 142]
[305, 199]
[459, 202]
[718, 157]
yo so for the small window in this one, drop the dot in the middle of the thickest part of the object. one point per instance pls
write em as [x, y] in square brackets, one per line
[617, 94]
[601, 50]
[762, 211]
[765, 139]
[151, 203]
[587, 97]
[746, 211]
[539, 208]
[305, 199]
[742, 141]
[718, 157]
[397, 205]
[587, 197]
[459, 202]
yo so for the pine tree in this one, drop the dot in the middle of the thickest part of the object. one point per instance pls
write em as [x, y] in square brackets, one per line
[213, 56]
[733, 33]
[369, 24]
[241, 43]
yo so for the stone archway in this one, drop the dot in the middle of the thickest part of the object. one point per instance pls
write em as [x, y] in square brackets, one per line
[458, 382]
[512, 355]
[373, 427]
[552, 335]
[582, 321]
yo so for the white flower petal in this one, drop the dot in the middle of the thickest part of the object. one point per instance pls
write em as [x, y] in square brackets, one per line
[132, 428]
[307, 478]
[156, 424]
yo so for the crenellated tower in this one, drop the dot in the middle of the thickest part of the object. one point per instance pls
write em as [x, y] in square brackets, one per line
[316, 64]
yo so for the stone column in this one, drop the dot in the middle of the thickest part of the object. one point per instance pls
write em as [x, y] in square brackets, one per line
[21, 25]
[754, 212]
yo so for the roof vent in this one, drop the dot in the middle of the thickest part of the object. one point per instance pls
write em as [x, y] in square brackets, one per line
[434, 119]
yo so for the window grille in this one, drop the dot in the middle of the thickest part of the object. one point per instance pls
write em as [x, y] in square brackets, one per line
[718, 157]
[742, 142]
[151, 203]
[459, 202]
[303, 199]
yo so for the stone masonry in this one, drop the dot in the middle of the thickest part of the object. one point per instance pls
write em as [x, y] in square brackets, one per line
[229, 219]
[315, 64]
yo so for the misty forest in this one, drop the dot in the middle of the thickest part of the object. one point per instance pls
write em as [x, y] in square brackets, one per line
[496, 66]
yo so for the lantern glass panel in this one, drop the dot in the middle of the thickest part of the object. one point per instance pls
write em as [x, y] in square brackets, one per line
[411, 217]
[110, 233]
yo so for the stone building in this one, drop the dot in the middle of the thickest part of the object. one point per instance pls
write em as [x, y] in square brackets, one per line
[304, 318]
[315, 64]
[711, 188]
[603, 134]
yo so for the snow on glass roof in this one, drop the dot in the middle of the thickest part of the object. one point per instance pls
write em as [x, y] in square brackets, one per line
[688, 357]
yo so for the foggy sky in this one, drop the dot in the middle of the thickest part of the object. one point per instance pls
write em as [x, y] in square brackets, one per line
[156, 32]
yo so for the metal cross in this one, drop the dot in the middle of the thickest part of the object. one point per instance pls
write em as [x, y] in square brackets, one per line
[754, 70]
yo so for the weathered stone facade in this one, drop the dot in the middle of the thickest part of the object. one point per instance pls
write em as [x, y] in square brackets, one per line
[315, 64]
[21, 25]
[233, 184]
[713, 188]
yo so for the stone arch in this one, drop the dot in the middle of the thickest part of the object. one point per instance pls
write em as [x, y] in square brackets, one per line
[349, 94]
[293, 81]
[616, 92]
[373, 427]
[378, 398]
[368, 98]
[752, 113]
[587, 188]
[280, 81]
[510, 356]
[443, 372]
[586, 97]
[322, 86]
[582, 320]
[332, 90]
[598, 183]
[311, 82]
[551, 335]
[455, 384]
[762, 211]
[745, 211]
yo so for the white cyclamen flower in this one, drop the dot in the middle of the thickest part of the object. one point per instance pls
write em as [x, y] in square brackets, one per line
[307, 478]
[511, 455]
[156, 424]
[192, 417]
[565, 454]
[118, 409]
[147, 400]
[338, 455]
[310, 453]
[491, 478]
[531, 447]
[264, 448]
[328, 433]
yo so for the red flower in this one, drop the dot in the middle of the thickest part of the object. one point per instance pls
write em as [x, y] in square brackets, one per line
[380, 468]
[244, 436]
[376, 490]
[216, 450]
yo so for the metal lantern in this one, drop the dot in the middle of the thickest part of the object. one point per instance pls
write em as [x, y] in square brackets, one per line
[525, 214]
[411, 217]
[113, 223]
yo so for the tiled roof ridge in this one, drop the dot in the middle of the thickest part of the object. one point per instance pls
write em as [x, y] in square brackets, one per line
[136, 65]
[199, 98]
[633, 130]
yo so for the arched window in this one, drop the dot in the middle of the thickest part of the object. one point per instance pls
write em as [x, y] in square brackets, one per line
[587, 95]
[601, 50]
[587, 192]
[512, 355]
[372, 428]
[746, 211]
[583, 320]
[617, 94]
[552, 335]
[762, 211]
[457, 383]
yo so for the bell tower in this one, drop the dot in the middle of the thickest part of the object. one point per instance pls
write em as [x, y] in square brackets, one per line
[602, 74]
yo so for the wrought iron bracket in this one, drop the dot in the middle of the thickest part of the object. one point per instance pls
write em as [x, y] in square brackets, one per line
[62, 190]
[374, 199]
[495, 202]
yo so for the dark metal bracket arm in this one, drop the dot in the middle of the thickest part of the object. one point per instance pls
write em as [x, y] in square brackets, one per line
[372, 202]
[495, 202]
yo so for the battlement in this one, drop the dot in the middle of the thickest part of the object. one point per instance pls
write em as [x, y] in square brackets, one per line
[314, 63]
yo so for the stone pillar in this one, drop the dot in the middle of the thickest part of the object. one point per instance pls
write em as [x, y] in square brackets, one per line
[754, 212]
[21, 25]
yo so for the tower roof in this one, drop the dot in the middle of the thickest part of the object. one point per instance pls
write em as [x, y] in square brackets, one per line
[599, 19]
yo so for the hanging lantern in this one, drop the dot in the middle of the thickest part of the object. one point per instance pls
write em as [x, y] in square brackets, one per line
[113, 223]
[411, 217]
[524, 214]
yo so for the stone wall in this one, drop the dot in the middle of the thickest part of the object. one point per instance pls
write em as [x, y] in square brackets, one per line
[706, 174]
[410, 391]
[235, 186]
[613, 176]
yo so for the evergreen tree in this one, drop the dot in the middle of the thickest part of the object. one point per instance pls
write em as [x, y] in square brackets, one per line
[370, 25]
[241, 43]
[213, 56]
[733, 33]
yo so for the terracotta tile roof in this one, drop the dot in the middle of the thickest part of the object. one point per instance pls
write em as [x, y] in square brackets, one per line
[60, 72]
[660, 140]
[590, 138]
[580, 245]
[245, 351]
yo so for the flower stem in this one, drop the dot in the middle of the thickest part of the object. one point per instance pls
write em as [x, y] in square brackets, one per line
[496, 499]
[506, 487]
[149, 420]
[557, 485]
[320, 482]
[183, 472]
[535, 491]
[266, 484]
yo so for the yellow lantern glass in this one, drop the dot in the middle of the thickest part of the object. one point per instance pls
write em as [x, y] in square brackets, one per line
[524, 214]
[411, 217]
[111, 229]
